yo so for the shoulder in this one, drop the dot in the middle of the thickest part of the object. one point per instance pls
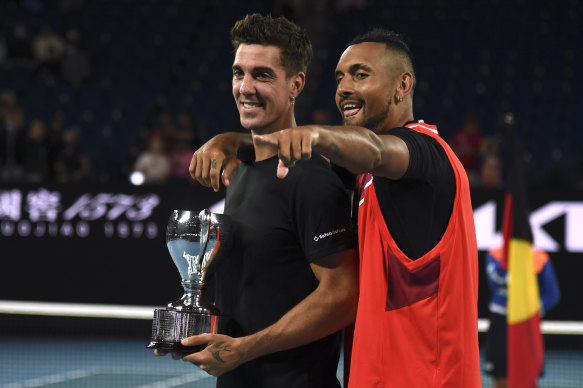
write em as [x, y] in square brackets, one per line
[314, 168]
[316, 177]
[427, 155]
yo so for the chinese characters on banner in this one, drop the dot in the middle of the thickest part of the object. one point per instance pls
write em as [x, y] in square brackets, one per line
[41, 212]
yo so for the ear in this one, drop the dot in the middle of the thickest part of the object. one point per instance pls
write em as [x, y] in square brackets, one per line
[298, 81]
[404, 84]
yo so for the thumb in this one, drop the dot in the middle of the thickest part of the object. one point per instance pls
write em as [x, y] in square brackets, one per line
[201, 339]
[269, 139]
[228, 171]
[282, 170]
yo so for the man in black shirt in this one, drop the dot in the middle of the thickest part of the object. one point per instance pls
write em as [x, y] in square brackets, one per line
[291, 284]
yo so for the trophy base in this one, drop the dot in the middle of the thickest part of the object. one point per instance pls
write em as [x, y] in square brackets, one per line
[175, 347]
[171, 326]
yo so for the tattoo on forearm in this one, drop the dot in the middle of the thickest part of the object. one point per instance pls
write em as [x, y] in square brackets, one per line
[214, 164]
[216, 348]
[332, 149]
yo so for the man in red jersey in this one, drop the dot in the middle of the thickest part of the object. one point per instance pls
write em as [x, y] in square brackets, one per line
[416, 324]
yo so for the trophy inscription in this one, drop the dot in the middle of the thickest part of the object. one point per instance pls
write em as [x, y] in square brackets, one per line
[196, 242]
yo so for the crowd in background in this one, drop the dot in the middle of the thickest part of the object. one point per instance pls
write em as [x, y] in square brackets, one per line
[36, 148]
[34, 151]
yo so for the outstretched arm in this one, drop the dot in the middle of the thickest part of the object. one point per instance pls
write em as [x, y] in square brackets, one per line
[217, 158]
[357, 149]
[329, 308]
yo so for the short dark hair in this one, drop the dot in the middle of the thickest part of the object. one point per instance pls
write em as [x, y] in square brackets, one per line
[395, 42]
[296, 49]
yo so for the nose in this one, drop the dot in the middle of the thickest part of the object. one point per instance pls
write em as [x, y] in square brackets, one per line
[247, 86]
[344, 87]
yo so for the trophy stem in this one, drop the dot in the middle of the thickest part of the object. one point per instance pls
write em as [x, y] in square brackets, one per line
[190, 301]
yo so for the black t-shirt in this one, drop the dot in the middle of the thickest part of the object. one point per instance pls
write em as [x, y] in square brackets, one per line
[417, 207]
[279, 227]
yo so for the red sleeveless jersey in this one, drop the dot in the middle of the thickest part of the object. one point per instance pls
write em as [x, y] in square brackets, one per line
[417, 321]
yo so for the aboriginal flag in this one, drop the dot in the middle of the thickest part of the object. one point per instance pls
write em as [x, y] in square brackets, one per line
[525, 348]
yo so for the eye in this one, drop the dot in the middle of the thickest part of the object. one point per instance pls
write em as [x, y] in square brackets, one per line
[360, 76]
[264, 75]
[237, 73]
[338, 79]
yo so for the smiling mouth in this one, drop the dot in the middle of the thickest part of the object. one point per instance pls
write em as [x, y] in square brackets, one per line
[350, 108]
[251, 105]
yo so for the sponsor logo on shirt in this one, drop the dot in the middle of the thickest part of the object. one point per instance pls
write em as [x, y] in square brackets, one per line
[328, 234]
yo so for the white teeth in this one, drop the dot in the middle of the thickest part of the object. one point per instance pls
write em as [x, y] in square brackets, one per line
[248, 105]
[350, 106]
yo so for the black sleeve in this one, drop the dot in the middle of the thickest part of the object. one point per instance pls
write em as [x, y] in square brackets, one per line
[322, 208]
[427, 159]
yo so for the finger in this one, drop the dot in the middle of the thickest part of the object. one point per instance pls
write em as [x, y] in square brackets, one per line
[215, 171]
[160, 352]
[204, 175]
[230, 166]
[201, 339]
[192, 167]
[282, 170]
[269, 139]
[296, 147]
[306, 146]
[284, 144]
[198, 169]
[193, 360]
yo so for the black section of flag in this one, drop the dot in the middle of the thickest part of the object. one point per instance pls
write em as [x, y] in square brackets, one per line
[518, 212]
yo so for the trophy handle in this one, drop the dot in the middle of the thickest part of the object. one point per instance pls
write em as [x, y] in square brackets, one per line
[205, 221]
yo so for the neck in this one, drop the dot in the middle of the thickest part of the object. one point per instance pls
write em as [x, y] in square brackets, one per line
[398, 118]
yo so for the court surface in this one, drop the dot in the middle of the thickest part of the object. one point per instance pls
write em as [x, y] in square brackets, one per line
[96, 363]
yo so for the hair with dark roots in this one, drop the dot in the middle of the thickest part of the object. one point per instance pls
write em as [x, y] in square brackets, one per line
[292, 40]
[394, 42]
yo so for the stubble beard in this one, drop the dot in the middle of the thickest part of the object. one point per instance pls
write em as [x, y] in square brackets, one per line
[372, 123]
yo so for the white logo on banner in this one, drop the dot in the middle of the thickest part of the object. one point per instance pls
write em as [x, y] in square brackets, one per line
[488, 237]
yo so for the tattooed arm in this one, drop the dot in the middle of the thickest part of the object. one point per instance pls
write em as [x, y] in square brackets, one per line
[216, 160]
[329, 308]
[357, 149]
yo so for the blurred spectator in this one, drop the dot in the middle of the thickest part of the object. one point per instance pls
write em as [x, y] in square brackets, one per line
[165, 132]
[36, 153]
[19, 46]
[48, 53]
[75, 66]
[154, 163]
[54, 141]
[491, 170]
[11, 136]
[467, 144]
[186, 131]
[180, 158]
[72, 164]
[320, 116]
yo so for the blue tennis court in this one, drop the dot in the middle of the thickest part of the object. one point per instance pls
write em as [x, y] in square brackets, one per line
[95, 363]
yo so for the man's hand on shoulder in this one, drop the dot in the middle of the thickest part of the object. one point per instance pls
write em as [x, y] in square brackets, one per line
[216, 160]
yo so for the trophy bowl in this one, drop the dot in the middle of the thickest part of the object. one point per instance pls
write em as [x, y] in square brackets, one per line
[197, 244]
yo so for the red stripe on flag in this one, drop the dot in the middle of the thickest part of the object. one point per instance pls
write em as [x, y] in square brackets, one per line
[525, 353]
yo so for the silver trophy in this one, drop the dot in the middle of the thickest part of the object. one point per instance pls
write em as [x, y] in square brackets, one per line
[197, 243]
